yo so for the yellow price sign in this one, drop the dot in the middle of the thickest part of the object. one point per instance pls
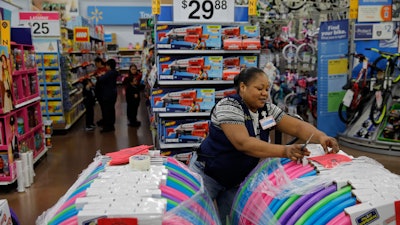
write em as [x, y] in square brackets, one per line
[252, 7]
[155, 7]
[337, 66]
[353, 9]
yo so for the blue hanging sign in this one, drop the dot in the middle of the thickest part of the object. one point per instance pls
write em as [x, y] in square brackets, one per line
[118, 15]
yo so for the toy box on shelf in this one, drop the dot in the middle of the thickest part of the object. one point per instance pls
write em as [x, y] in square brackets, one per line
[190, 100]
[234, 64]
[25, 77]
[183, 131]
[29, 129]
[8, 147]
[241, 38]
[198, 37]
[190, 68]
[6, 84]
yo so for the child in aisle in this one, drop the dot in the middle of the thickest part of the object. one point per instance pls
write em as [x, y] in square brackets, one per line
[132, 95]
[100, 71]
[89, 101]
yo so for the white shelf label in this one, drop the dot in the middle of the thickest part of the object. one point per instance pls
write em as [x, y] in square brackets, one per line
[42, 23]
[204, 11]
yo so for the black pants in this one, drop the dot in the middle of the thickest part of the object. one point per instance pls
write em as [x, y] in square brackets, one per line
[89, 114]
[132, 110]
[108, 111]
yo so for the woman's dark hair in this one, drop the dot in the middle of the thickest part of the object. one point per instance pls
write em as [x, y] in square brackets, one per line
[99, 60]
[111, 63]
[130, 67]
[245, 76]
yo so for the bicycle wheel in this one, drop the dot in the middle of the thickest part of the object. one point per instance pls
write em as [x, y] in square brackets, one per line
[377, 112]
[289, 52]
[276, 97]
[394, 70]
[348, 115]
[304, 52]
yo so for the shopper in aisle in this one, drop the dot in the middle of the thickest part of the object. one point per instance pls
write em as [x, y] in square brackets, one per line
[239, 138]
[108, 93]
[89, 101]
[100, 71]
[132, 94]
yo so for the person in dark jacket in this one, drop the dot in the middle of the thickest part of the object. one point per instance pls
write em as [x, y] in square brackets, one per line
[239, 137]
[100, 71]
[89, 100]
[132, 94]
[108, 94]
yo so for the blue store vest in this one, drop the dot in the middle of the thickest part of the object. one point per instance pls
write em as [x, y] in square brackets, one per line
[223, 162]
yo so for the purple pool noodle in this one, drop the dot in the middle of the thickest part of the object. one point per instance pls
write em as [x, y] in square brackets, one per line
[295, 206]
[183, 179]
[173, 198]
[308, 204]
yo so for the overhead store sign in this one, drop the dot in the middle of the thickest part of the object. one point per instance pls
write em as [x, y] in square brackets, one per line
[42, 23]
[81, 34]
[118, 15]
[204, 11]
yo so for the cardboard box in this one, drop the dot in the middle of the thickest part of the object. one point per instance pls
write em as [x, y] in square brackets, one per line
[183, 131]
[5, 214]
[189, 100]
[193, 68]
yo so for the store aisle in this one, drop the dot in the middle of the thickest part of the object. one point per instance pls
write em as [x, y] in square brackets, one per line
[74, 151]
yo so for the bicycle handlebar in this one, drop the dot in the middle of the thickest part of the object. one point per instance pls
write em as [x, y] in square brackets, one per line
[386, 55]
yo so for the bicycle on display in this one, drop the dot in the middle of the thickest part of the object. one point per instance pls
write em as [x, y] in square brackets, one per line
[382, 85]
[303, 51]
[357, 94]
[305, 99]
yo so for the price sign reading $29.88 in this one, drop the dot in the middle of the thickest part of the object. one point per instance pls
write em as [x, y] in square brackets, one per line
[211, 11]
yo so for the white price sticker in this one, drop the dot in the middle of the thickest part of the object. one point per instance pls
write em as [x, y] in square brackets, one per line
[43, 24]
[214, 11]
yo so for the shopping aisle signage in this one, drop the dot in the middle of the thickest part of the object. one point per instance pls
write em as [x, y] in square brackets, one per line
[42, 23]
[155, 7]
[374, 10]
[81, 34]
[204, 11]
[376, 31]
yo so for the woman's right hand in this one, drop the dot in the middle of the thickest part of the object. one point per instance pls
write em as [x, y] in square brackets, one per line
[294, 152]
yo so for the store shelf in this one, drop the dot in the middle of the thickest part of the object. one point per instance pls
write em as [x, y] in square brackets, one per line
[194, 82]
[27, 102]
[8, 182]
[76, 104]
[178, 145]
[45, 149]
[75, 119]
[194, 52]
[193, 114]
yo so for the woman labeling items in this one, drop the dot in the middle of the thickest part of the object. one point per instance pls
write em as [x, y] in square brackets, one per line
[239, 138]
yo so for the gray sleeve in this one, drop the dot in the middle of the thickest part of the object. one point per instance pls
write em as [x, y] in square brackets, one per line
[227, 111]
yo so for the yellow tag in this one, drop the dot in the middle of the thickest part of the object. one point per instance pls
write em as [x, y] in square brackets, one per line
[155, 7]
[252, 7]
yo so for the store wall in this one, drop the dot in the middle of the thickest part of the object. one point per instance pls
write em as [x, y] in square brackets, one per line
[15, 6]
[124, 31]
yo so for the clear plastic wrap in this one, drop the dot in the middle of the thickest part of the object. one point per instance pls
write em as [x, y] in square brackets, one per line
[187, 200]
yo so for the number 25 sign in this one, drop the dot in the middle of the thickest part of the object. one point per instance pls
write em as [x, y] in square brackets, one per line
[42, 23]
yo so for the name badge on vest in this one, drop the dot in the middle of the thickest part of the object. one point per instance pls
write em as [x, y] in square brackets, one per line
[267, 122]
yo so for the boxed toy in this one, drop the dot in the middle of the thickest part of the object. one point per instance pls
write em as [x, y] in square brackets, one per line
[250, 37]
[231, 39]
[220, 94]
[178, 37]
[194, 68]
[233, 65]
[5, 214]
[183, 131]
[190, 100]
[211, 37]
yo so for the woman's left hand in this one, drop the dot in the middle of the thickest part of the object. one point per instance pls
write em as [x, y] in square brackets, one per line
[331, 142]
